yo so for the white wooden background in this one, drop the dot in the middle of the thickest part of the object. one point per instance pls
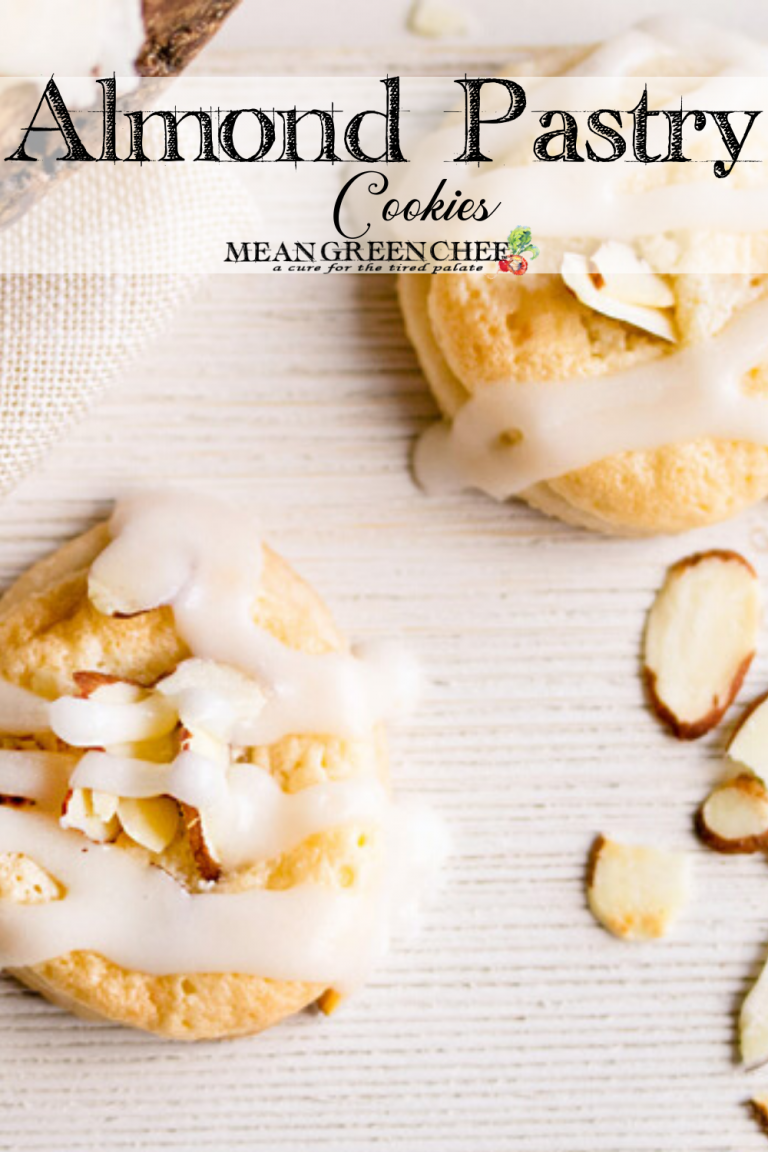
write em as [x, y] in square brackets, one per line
[511, 1022]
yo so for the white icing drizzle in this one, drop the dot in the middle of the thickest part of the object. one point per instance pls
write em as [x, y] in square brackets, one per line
[21, 712]
[255, 819]
[597, 201]
[690, 394]
[204, 561]
[248, 815]
[39, 776]
[140, 918]
[191, 778]
[695, 392]
[89, 723]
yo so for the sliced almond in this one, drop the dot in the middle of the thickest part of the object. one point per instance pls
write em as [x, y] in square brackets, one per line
[734, 817]
[106, 688]
[759, 1107]
[200, 843]
[213, 697]
[78, 813]
[629, 278]
[152, 823]
[204, 744]
[104, 805]
[749, 743]
[753, 1023]
[113, 600]
[636, 892]
[198, 834]
[589, 285]
[700, 640]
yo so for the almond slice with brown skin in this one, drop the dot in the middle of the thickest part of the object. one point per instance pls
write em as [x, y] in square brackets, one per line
[586, 280]
[78, 813]
[759, 1108]
[734, 817]
[700, 640]
[88, 683]
[749, 743]
[636, 892]
[200, 844]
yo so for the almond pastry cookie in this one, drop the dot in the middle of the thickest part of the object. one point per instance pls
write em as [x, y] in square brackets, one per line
[625, 387]
[196, 831]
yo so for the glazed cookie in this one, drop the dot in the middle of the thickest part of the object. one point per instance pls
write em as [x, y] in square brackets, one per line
[618, 389]
[196, 834]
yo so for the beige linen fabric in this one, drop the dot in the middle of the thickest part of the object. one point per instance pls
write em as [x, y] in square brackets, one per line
[89, 277]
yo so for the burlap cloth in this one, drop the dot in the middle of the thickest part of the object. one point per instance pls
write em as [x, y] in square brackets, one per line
[89, 277]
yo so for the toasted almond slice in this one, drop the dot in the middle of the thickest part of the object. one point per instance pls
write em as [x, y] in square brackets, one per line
[589, 286]
[700, 640]
[636, 892]
[200, 843]
[198, 834]
[753, 1023]
[734, 817]
[113, 601]
[194, 740]
[629, 278]
[759, 1107]
[78, 813]
[106, 688]
[152, 823]
[749, 743]
[330, 1001]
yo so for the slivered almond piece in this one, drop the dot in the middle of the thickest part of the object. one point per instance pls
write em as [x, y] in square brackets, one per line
[105, 687]
[78, 812]
[200, 844]
[734, 817]
[636, 892]
[753, 1023]
[152, 823]
[700, 640]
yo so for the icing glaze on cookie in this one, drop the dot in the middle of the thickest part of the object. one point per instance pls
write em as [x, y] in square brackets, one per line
[203, 560]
